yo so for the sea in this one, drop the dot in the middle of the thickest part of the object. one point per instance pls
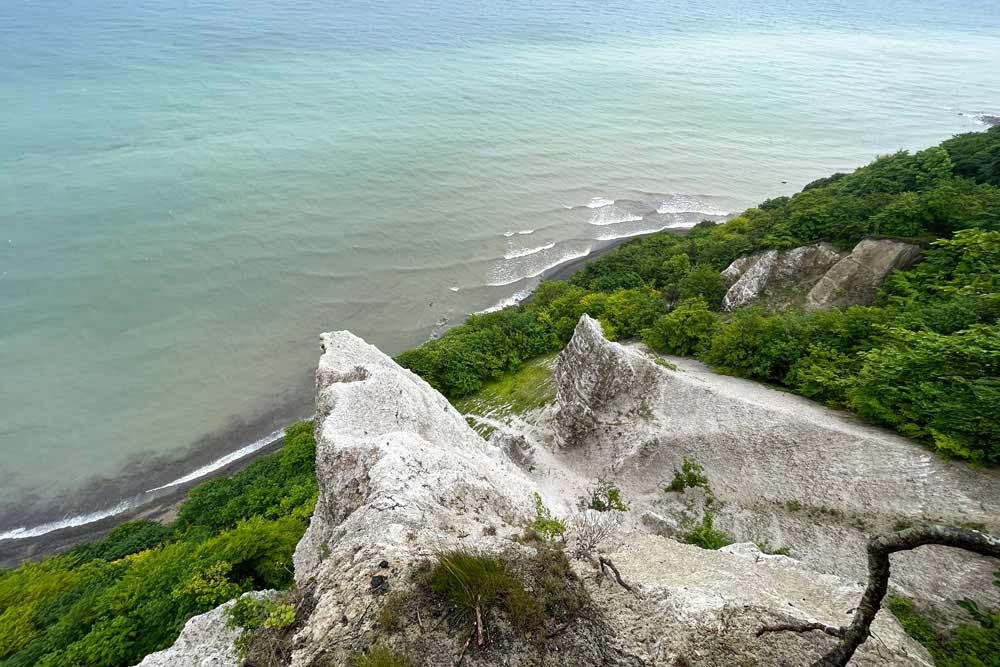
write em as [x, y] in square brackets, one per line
[192, 190]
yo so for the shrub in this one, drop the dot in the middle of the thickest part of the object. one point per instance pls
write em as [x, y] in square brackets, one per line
[605, 497]
[943, 389]
[690, 475]
[469, 580]
[687, 330]
[970, 645]
[544, 523]
[706, 535]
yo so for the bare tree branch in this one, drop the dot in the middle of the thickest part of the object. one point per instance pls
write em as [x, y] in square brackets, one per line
[879, 550]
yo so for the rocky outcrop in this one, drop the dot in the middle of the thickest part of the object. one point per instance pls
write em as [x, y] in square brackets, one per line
[789, 472]
[855, 279]
[777, 276]
[610, 381]
[206, 641]
[402, 476]
[817, 275]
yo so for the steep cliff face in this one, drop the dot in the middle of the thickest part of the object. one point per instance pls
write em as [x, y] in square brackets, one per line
[789, 472]
[855, 279]
[403, 479]
[817, 276]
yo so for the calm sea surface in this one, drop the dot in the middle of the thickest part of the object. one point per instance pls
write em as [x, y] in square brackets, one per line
[191, 190]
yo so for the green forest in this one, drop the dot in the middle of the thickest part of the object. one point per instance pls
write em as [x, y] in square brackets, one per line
[924, 360]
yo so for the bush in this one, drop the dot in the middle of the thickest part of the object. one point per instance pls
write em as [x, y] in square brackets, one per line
[706, 535]
[686, 331]
[970, 645]
[544, 524]
[691, 475]
[943, 389]
[606, 497]
[468, 580]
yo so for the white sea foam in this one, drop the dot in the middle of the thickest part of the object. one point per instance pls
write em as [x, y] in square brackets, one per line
[508, 234]
[524, 252]
[512, 300]
[501, 279]
[600, 202]
[218, 464]
[525, 232]
[613, 215]
[91, 517]
[69, 522]
[687, 204]
[611, 236]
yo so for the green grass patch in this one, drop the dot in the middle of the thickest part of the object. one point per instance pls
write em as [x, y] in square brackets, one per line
[515, 393]
[380, 656]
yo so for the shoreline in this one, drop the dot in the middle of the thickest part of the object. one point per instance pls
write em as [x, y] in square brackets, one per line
[169, 495]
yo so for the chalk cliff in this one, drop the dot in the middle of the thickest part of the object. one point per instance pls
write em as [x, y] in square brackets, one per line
[404, 478]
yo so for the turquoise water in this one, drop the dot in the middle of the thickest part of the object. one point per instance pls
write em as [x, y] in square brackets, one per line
[192, 190]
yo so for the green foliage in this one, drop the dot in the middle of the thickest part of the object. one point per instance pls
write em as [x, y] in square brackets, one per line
[536, 595]
[111, 602]
[944, 389]
[706, 535]
[380, 656]
[970, 645]
[690, 476]
[128, 538]
[469, 580]
[605, 497]
[627, 312]
[687, 330]
[545, 524]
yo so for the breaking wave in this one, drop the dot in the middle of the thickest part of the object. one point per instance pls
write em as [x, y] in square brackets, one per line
[512, 300]
[687, 204]
[514, 254]
[506, 274]
[613, 215]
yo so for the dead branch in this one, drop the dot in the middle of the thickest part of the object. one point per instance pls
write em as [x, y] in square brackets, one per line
[479, 624]
[618, 577]
[879, 550]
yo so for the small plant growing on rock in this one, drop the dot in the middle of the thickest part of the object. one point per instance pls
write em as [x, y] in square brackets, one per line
[706, 535]
[380, 656]
[766, 548]
[689, 476]
[268, 626]
[590, 529]
[545, 524]
[390, 617]
[606, 497]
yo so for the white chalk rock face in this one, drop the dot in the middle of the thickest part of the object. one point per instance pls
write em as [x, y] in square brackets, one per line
[593, 377]
[764, 452]
[206, 641]
[855, 279]
[401, 476]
